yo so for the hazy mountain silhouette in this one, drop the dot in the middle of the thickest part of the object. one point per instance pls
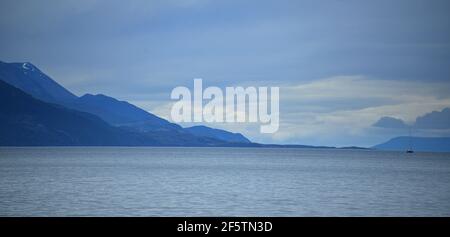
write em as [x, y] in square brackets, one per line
[439, 144]
[223, 135]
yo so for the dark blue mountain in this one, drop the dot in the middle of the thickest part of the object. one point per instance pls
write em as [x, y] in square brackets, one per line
[203, 131]
[30, 79]
[120, 114]
[27, 121]
[438, 144]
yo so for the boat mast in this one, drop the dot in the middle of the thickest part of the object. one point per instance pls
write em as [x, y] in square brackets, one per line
[410, 142]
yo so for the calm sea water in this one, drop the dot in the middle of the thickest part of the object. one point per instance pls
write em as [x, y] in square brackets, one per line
[88, 181]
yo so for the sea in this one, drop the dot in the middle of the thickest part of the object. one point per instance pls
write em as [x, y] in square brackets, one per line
[170, 181]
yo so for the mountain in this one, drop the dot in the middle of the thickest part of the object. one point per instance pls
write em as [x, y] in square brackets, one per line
[27, 121]
[121, 113]
[30, 79]
[120, 116]
[390, 122]
[203, 131]
[437, 144]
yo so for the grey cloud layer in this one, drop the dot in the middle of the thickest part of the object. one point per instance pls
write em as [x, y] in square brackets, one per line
[433, 120]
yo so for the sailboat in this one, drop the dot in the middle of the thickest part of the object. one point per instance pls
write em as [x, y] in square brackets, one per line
[410, 150]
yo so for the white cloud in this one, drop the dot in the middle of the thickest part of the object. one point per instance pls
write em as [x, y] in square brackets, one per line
[401, 99]
[309, 113]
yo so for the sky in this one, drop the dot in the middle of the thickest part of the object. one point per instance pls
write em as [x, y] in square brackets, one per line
[341, 65]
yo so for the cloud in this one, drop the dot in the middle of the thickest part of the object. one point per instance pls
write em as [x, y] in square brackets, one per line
[311, 113]
[434, 120]
[341, 110]
[389, 122]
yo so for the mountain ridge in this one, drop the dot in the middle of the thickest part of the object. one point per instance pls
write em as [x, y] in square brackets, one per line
[224, 135]
[27, 121]
[28, 78]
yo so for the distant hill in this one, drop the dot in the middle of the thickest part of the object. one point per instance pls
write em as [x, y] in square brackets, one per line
[31, 80]
[437, 144]
[203, 131]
